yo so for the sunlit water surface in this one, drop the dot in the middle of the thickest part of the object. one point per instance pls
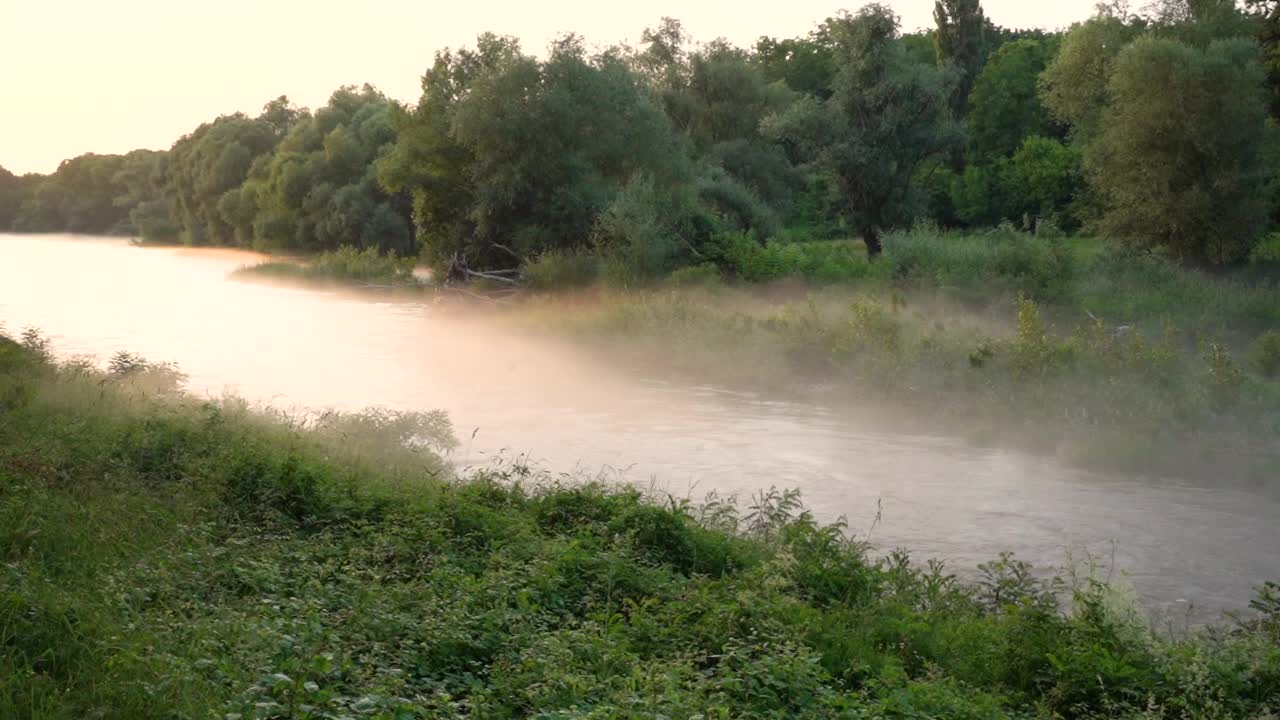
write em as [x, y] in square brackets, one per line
[1190, 549]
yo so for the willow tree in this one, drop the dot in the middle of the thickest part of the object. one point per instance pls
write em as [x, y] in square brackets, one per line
[1178, 154]
[887, 116]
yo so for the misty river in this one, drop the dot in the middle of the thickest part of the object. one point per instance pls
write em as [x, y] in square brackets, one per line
[1190, 549]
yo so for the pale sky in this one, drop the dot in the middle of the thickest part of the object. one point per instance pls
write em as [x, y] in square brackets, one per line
[109, 76]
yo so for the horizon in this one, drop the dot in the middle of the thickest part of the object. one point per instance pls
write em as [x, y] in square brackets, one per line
[126, 51]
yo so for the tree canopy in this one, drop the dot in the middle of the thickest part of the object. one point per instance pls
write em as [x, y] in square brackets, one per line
[671, 151]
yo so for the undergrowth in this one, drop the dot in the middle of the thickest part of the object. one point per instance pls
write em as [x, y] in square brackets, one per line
[344, 265]
[165, 557]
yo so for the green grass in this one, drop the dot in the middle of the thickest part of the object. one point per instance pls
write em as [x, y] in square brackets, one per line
[165, 557]
[346, 265]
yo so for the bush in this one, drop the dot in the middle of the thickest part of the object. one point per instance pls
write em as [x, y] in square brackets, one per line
[558, 269]
[1265, 354]
[820, 262]
[346, 264]
[704, 275]
[1002, 258]
[166, 557]
[1267, 251]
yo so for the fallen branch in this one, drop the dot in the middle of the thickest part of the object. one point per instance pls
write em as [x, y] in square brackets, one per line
[490, 276]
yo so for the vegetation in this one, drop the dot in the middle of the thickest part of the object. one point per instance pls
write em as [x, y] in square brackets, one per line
[168, 557]
[1150, 129]
[345, 265]
[1042, 341]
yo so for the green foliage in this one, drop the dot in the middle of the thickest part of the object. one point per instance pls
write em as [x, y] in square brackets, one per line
[705, 275]
[819, 262]
[959, 43]
[1178, 157]
[1266, 251]
[1005, 107]
[1265, 354]
[80, 196]
[561, 269]
[1076, 85]
[540, 149]
[172, 557]
[206, 165]
[344, 265]
[886, 117]
[12, 189]
[317, 192]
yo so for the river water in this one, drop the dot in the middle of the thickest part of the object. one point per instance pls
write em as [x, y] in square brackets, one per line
[1189, 549]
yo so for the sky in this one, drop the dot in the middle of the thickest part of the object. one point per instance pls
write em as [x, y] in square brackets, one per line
[108, 77]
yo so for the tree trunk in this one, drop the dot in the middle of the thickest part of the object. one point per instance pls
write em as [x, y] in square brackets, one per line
[871, 236]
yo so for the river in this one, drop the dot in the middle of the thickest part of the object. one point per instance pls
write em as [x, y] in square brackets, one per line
[1189, 549]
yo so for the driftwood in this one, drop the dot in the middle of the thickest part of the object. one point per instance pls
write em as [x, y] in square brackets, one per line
[495, 275]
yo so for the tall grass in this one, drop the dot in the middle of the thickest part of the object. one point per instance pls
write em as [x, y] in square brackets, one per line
[342, 266]
[170, 558]
[1168, 402]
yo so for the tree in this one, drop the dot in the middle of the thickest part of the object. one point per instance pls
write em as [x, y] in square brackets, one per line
[318, 190]
[78, 197]
[1178, 156]
[140, 182]
[804, 64]
[1199, 22]
[12, 190]
[1005, 106]
[207, 164]
[527, 154]
[885, 118]
[1266, 17]
[1075, 85]
[959, 42]
[1043, 179]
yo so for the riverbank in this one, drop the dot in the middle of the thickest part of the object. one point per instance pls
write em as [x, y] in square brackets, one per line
[1050, 345]
[166, 556]
[344, 267]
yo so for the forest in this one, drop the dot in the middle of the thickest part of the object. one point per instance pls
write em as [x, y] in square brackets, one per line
[1152, 127]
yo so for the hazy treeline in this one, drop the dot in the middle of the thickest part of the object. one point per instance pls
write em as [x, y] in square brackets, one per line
[1153, 127]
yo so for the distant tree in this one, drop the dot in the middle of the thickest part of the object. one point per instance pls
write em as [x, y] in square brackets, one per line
[1199, 22]
[281, 115]
[140, 182]
[960, 43]
[1044, 179]
[78, 197]
[1177, 158]
[805, 64]
[1075, 86]
[11, 195]
[205, 165]
[920, 47]
[528, 153]
[1005, 106]
[318, 190]
[1266, 17]
[886, 117]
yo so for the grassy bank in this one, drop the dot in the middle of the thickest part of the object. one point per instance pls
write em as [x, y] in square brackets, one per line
[1048, 343]
[344, 266]
[171, 558]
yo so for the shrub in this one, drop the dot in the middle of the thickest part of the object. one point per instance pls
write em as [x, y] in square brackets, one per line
[1265, 353]
[346, 264]
[1267, 251]
[704, 275]
[557, 269]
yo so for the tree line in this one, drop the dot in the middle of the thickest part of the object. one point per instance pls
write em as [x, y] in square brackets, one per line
[1154, 127]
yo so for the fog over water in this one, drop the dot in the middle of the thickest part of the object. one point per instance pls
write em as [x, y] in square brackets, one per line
[1182, 544]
